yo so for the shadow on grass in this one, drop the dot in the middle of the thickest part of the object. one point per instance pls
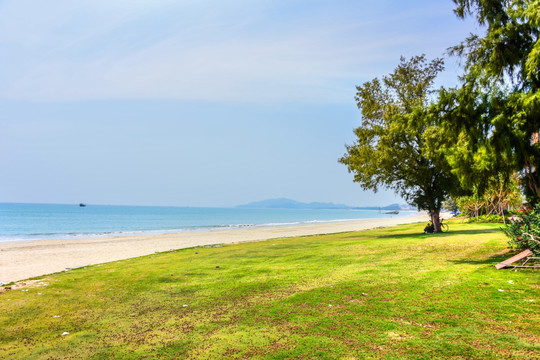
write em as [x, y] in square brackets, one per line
[495, 259]
[447, 234]
[469, 232]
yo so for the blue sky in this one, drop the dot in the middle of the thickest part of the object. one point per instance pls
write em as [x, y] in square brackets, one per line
[198, 103]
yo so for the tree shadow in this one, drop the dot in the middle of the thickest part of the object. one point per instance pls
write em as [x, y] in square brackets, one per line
[491, 260]
[469, 232]
[446, 234]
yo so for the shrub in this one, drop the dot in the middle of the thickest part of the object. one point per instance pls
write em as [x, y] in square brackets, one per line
[491, 219]
[524, 231]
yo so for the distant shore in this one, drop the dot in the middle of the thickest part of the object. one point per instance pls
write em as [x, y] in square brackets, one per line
[24, 259]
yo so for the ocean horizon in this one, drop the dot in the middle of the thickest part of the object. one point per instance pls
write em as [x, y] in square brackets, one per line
[24, 221]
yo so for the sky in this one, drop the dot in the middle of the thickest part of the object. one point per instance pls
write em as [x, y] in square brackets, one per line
[198, 103]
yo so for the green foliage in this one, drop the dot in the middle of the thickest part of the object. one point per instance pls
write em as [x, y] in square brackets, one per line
[398, 142]
[524, 232]
[393, 295]
[509, 48]
[488, 219]
[500, 196]
[493, 117]
[477, 149]
[451, 205]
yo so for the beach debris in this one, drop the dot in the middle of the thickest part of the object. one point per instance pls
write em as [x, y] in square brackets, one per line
[39, 293]
[25, 284]
[184, 305]
[330, 305]
[522, 255]
[217, 266]
[74, 267]
[56, 316]
[213, 246]
[2, 283]
[364, 294]
[196, 252]
[510, 281]
[395, 336]
[65, 333]
[531, 300]
[501, 290]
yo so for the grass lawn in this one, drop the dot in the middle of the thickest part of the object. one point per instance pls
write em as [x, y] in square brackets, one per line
[387, 293]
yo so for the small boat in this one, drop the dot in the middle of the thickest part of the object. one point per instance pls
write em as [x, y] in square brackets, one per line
[394, 212]
[82, 205]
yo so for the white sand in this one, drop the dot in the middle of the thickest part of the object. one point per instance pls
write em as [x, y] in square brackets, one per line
[24, 259]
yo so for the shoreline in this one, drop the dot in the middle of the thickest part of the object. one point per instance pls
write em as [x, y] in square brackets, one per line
[188, 229]
[72, 234]
[25, 259]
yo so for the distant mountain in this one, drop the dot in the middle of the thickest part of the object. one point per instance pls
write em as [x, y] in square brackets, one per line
[283, 203]
[290, 204]
[388, 207]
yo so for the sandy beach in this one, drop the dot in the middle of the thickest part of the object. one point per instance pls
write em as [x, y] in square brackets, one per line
[24, 259]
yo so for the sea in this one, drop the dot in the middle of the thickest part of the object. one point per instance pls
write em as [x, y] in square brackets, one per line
[61, 221]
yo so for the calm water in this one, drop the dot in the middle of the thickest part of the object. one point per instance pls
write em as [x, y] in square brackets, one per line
[47, 221]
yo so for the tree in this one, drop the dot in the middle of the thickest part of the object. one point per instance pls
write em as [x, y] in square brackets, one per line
[502, 194]
[451, 204]
[398, 141]
[494, 117]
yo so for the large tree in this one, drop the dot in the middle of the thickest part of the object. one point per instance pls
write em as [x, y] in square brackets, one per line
[398, 141]
[494, 117]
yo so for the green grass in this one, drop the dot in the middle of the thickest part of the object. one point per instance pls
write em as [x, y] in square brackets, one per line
[384, 294]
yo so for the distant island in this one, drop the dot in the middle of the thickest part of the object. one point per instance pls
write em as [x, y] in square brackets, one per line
[283, 203]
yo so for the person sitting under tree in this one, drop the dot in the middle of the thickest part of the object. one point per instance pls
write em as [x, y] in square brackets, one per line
[429, 228]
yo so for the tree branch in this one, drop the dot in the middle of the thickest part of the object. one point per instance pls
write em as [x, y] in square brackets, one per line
[532, 238]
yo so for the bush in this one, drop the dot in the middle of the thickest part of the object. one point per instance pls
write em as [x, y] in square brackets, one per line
[524, 231]
[490, 219]
[501, 196]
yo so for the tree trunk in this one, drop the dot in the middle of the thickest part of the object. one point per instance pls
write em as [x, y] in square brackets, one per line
[436, 221]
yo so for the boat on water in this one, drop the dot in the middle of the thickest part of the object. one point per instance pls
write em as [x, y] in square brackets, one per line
[82, 204]
[393, 212]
